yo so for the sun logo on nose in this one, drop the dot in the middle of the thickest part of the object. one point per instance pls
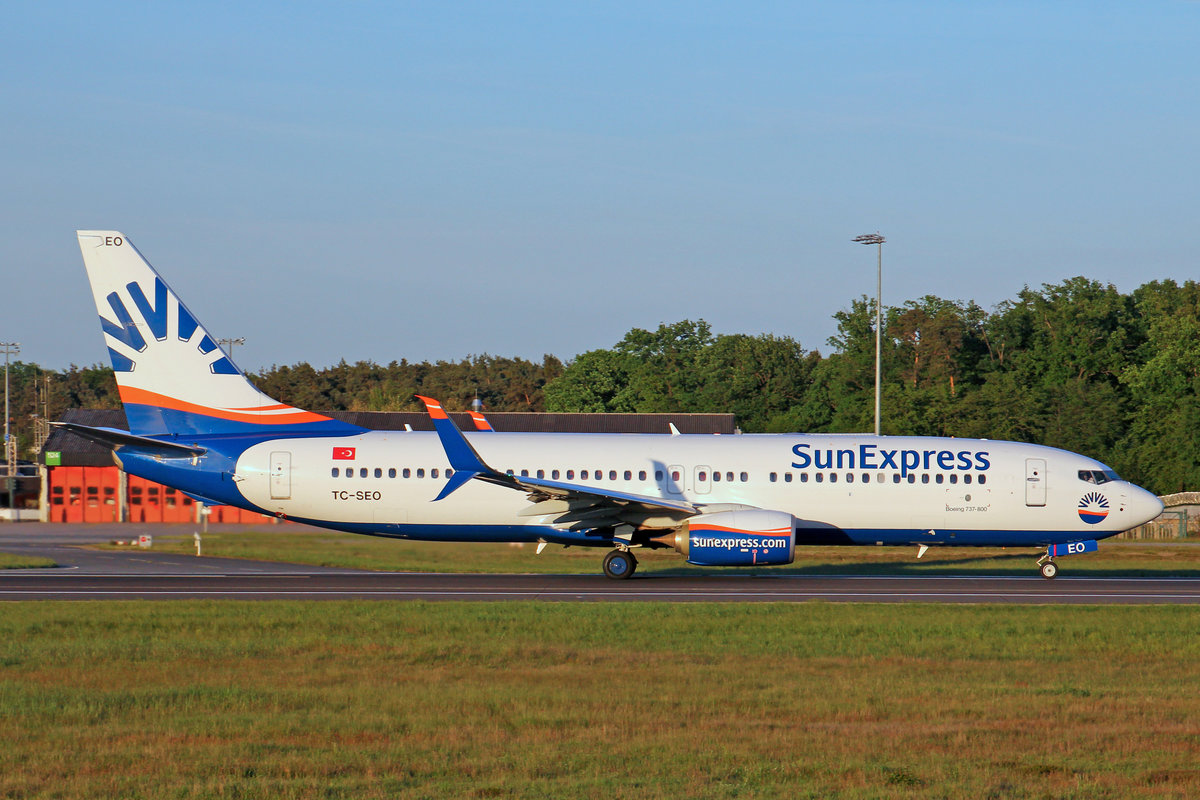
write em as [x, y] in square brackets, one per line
[1093, 508]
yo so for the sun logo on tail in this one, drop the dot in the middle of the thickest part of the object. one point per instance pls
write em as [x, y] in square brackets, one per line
[1093, 508]
[125, 331]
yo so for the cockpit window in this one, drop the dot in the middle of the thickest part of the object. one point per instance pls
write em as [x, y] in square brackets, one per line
[1098, 476]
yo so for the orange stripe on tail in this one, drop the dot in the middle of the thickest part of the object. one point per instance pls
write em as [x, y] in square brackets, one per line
[136, 396]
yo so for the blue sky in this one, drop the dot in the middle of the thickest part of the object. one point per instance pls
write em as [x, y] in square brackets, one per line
[431, 180]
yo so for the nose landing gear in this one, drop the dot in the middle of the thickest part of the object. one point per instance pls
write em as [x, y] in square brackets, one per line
[1046, 563]
[1048, 568]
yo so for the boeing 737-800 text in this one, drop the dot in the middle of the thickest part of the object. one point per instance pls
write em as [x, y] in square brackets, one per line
[197, 424]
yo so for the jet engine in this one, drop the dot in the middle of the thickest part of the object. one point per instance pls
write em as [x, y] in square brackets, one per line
[737, 538]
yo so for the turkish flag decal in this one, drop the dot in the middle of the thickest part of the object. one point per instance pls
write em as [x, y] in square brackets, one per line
[343, 454]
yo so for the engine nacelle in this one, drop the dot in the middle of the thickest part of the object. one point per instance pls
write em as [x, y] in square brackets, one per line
[738, 538]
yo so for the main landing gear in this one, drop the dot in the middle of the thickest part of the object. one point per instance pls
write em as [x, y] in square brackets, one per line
[619, 564]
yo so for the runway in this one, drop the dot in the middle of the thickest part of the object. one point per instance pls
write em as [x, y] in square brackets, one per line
[145, 575]
[333, 585]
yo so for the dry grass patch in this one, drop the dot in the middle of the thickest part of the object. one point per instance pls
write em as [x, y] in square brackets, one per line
[373, 700]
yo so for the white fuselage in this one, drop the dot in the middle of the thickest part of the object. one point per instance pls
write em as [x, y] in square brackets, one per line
[890, 490]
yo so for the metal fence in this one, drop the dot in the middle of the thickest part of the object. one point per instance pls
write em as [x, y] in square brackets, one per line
[1170, 525]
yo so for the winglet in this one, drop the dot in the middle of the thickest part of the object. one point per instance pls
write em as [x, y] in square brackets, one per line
[481, 423]
[466, 462]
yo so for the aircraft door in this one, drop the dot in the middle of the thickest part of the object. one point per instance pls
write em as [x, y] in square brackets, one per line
[1035, 481]
[701, 480]
[674, 482]
[281, 475]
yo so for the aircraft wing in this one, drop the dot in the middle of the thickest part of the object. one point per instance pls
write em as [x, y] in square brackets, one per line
[575, 499]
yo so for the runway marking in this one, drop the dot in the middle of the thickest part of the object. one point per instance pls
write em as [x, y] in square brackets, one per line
[600, 594]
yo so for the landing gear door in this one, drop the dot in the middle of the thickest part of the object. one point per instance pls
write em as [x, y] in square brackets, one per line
[1035, 482]
[281, 475]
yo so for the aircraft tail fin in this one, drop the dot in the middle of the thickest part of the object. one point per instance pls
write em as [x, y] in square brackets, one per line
[172, 375]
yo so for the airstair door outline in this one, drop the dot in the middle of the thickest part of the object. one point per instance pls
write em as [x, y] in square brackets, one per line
[281, 475]
[1035, 481]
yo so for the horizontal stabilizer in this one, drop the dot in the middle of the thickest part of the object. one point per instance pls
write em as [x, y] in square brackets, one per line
[114, 438]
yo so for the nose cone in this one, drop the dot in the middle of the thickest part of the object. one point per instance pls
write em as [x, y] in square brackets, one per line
[1142, 506]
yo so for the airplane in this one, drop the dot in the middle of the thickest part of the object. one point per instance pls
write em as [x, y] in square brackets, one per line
[198, 425]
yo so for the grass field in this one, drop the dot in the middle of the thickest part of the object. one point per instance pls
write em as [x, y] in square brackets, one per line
[413, 700]
[11, 561]
[329, 548]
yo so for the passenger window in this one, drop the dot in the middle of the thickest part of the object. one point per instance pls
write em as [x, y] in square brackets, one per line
[392, 472]
[703, 476]
[925, 478]
[378, 472]
[554, 474]
[940, 477]
[820, 477]
[912, 478]
[967, 478]
[541, 473]
[832, 477]
[570, 474]
[420, 472]
[628, 475]
[983, 478]
[849, 477]
[879, 477]
[729, 477]
[866, 477]
[675, 476]
[449, 472]
[717, 477]
[524, 473]
[773, 477]
[433, 473]
[743, 477]
[335, 473]
[612, 474]
[583, 474]
[804, 477]
[642, 475]
[954, 477]
[895, 477]
[407, 472]
[362, 473]
[787, 477]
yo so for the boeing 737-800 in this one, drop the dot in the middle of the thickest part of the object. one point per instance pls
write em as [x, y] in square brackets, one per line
[197, 424]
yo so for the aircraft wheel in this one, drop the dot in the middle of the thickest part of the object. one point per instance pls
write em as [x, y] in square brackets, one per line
[1049, 570]
[619, 564]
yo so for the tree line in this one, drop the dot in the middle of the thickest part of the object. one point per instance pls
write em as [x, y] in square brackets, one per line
[1077, 365]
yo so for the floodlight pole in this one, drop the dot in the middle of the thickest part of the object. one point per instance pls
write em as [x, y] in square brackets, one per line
[10, 349]
[229, 343]
[876, 239]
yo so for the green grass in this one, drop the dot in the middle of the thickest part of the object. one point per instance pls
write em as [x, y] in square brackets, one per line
[13, 561]
[426, 700]
[329, 548]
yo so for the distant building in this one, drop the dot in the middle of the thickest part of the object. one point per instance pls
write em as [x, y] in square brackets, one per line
[80, 482]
